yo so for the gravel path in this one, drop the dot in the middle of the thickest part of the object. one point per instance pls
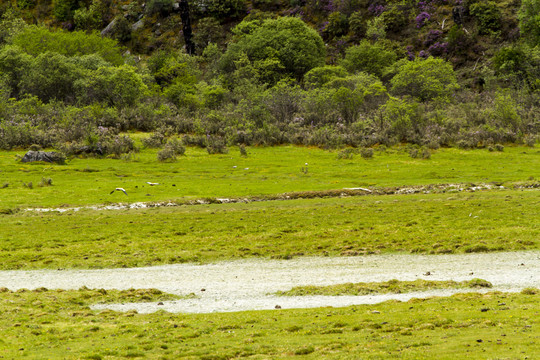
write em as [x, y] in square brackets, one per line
[245, 284]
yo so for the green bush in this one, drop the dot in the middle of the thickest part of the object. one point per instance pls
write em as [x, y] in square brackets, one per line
[36, 40]
[115, 86]
[368, 57]
[288, 42]
[425, 79]
[529, 21]
[338, 24]
[51, 77]
[63, 9]
[319, 76]
[488, 17]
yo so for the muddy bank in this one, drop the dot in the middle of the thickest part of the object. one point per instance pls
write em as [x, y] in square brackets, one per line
[345, 192]
[246, 284]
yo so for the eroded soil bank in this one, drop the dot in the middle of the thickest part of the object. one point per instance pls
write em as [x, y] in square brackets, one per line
[247, 284]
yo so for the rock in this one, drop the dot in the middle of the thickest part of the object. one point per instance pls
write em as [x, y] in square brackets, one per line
[51, 157]
[277, 307]
[139, 24]
[108, 29]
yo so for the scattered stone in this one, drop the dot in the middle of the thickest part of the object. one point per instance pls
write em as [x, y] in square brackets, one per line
[479, 340]
[484, 309]
[160, 303]
[50, 157]
[427, 273]
[203, 289]
[277, 307]
[375, 312]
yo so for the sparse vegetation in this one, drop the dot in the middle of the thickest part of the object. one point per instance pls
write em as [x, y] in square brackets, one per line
[391, 286]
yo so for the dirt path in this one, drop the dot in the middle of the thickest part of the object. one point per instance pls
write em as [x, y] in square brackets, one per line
[245, 284]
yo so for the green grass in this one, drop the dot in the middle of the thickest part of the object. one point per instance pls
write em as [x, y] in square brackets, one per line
[60, 325]
[271, 170]
[420, 223]
[392, 286]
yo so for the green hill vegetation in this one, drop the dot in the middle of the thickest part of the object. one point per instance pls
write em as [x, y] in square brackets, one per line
[75, 75]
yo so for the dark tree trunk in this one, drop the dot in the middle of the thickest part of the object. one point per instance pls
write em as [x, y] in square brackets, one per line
[186, 27]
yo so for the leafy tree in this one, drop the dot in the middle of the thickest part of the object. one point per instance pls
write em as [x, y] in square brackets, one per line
[115, 86]
[425, 79]
[14, 63]
[529, 20]
[50, 77]
[368, 57]
[287, 41]
[10, 25]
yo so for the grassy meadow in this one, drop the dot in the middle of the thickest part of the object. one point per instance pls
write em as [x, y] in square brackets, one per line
[266, 170]
[352, 226]
[58, 324]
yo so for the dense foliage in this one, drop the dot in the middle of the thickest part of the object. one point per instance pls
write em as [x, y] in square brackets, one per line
[330, 73]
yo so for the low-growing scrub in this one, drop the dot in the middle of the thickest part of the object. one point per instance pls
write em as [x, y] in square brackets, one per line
[391, 286]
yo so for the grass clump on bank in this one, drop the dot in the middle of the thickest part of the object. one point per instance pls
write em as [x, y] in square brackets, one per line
[352, 226]
[392, 286]
[60, 325]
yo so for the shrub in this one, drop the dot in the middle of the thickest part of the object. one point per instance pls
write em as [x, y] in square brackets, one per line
[166, 154]
[161, 7]
[51, 76]
[488, 16]
[45, 182]
[63, 9]
[357, 24]
[209, 31]
[376, 29]
[338, 24]
[425, 79]
[367, 57]
[347, 153]
[479, 283]
[156, 140]
[287, 41]
[529, 21]
[366, 153]
[36, 40]
[216, 145]
[530, 291]
[319, 76]
[89, 18]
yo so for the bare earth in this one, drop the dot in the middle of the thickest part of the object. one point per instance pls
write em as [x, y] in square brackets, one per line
[245, 284]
